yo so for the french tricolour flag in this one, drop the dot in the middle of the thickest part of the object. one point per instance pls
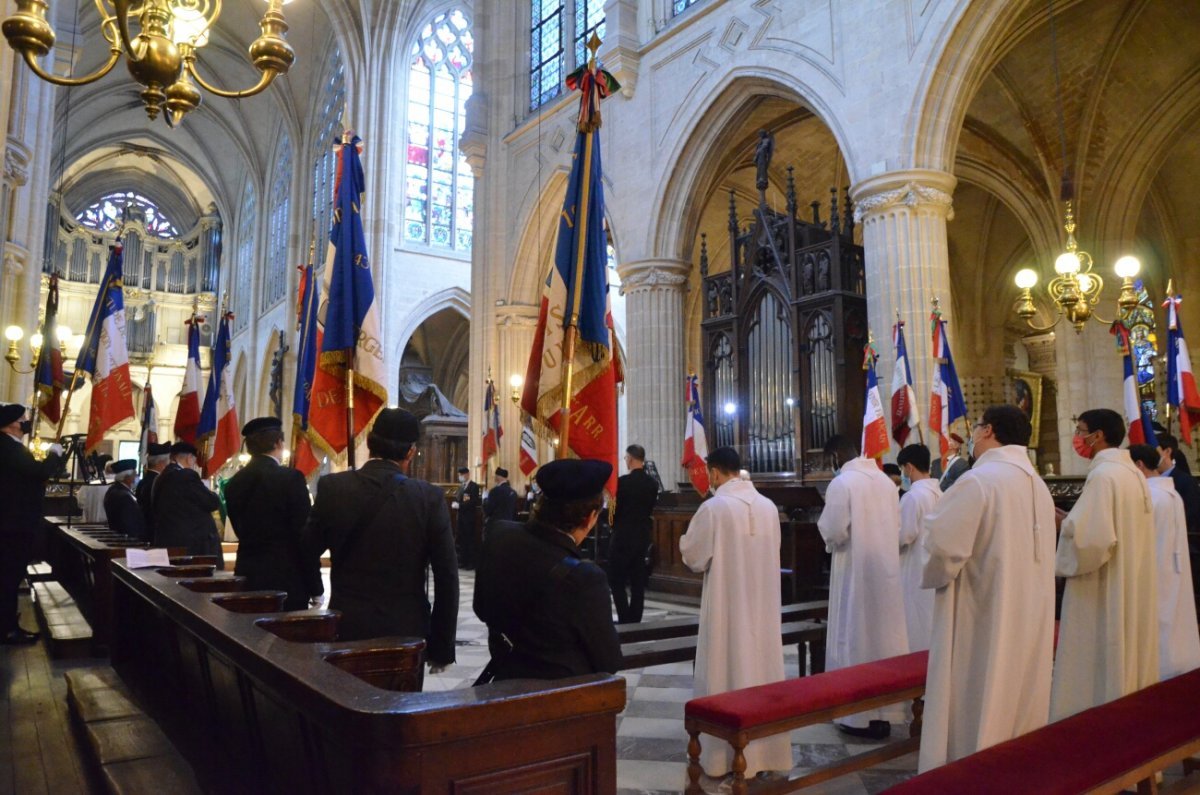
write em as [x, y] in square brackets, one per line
[1141, 431]
[187, 415]
[149, 424]
[695, 441]
[946, 404]
[875, 434]
[905, 416]
[218, 417]
[1181, 385]
[105, 357]
[529, 456]
[492, 432]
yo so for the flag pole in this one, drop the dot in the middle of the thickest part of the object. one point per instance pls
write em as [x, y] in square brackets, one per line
[302, 311]
[572, 330]
[347, 136]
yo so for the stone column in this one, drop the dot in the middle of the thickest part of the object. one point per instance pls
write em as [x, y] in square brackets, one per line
[654, 366]
[903, 215]
[515, 325]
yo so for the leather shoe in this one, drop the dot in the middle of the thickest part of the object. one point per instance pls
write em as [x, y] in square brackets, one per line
[19, 637]
[877, 730]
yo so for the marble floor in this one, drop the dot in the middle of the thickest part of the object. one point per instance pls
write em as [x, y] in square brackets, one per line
[651, 742]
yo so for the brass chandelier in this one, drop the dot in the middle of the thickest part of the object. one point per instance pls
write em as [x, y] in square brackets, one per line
[162, 55]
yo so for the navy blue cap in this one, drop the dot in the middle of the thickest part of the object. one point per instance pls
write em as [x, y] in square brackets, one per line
[262, 424]
[573, 479]
[124, 465]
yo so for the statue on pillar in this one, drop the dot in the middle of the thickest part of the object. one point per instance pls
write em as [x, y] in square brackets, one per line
[275, 389]
[762, 163]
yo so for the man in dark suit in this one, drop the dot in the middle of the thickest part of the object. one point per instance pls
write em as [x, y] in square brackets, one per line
[120, 505]
[22, 489]
[637, 494]
[466, 502]
[157, 458]
[548, 611]
[382, 529]
[956, 465]
[182, 507]
[500, 504]
[268, 506]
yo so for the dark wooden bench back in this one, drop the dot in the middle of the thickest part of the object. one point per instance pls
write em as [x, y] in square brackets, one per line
[319, 627]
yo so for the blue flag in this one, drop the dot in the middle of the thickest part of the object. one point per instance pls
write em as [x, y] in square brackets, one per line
[351, 289]
[110, 302]
[582, 250]
[306, 355]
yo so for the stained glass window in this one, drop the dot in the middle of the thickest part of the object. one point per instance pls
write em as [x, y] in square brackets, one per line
[679, 6]
[244, 265]
[545, 51]
[439, 207]
[589, 19]
[107, 213]
[275, 283]
[325, 153]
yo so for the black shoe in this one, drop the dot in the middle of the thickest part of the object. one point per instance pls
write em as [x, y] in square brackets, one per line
[878, 730]
[19, 637]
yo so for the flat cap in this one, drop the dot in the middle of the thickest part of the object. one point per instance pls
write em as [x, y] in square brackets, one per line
[10, 413]
[397, 425]
[181, 448]
[573, 479]
[464, 471]
[124, 465]
[154, 448]
[262, 424]
[501, 472]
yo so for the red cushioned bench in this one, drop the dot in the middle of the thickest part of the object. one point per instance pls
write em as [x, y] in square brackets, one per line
[741, 716]
[1105, 749]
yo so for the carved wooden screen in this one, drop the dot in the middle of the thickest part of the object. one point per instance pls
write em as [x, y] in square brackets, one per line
[724, 390]
[771, 429]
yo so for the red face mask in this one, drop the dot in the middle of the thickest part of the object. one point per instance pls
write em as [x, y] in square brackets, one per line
[1083, 448]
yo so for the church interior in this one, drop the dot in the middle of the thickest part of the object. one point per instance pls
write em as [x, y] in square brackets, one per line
[785, 184]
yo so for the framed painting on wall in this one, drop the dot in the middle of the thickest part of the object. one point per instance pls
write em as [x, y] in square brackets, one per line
[1024, 390]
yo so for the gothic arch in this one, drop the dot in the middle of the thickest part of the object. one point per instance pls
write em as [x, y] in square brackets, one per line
[691, 179]
[454, 298]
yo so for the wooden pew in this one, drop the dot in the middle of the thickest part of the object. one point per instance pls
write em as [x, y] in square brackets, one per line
[690, 625]
[266, 703]
[742, 716]
[1105, 749]
[642, 654]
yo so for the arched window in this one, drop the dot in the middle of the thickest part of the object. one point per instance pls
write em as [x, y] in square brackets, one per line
[679, 6]
[549, 44]
[325, 153]
[106, 214]
[244, 264]
[275, 282]
[439, 205]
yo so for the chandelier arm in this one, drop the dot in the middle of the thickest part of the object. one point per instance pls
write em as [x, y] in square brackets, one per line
[49, 77]
[1096, 315]
[268, 76]
[122, 14]
[1038, 328]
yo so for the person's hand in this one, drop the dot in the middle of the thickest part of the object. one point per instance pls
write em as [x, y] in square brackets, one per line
[454, 505]
[56, 449]
[437, 668]
[316, 601]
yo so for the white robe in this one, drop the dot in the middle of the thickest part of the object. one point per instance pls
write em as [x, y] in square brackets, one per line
[1108, 633]
[861, 528]
[734, 540]
[918, 601]
[989, 551]
[1178, 637]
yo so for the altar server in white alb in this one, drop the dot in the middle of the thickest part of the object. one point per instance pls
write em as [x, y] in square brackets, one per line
[989, 547]
[1178, 636]
[922, 493]
[1108, 632]
[734, 540]
[861, 527]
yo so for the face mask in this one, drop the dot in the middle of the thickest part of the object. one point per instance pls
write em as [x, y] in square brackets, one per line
[1082, 448]
[26, 427]
[462, 478]
[905, 482]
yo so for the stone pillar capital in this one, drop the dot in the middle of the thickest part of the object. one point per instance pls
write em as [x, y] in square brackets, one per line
[915, 189]
[516, 315]
[654, 274]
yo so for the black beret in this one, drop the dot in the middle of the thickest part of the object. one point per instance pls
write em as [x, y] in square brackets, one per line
[262, 424]
[464, 471]
[501, 472]
[10, 413]
[397, 425]
[154, 448]
[180, 448]
[124, 465]
[573, 479]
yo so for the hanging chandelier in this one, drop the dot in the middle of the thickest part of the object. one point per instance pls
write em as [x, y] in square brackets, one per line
[162, 55]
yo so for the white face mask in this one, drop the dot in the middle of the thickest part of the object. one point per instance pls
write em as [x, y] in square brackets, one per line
[462, 478]
[905, 482]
